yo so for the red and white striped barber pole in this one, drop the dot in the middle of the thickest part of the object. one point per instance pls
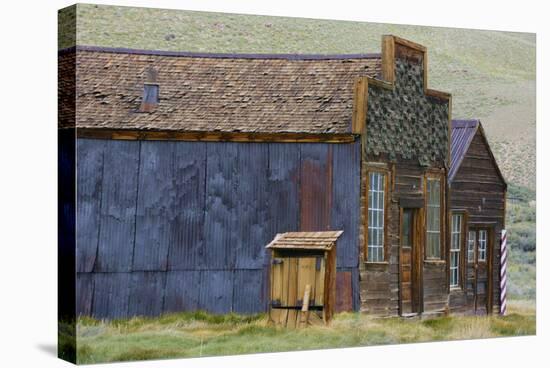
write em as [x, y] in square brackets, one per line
[503, 258]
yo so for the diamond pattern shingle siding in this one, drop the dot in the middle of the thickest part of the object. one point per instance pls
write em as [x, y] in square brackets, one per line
[405, 123]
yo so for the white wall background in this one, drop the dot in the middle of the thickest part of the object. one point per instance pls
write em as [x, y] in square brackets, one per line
[28, 189]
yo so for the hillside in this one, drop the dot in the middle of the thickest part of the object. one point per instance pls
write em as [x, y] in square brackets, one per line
[490, 74]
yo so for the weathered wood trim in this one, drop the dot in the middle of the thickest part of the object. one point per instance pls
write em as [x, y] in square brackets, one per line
[463, 248]
[388, 57]
[373, 165]
[120, 134]
[388, 67]
[400, 262]
[437, 174]
[387, 182]
[409, 44]
[379, 83]
[434, 261]
[435, 93]
[420, 234]
[360, 101]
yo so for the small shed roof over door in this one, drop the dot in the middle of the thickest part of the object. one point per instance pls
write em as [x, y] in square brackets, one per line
[317, 240]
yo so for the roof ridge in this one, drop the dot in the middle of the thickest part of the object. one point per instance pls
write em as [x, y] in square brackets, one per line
[464, 123]
[122, 50]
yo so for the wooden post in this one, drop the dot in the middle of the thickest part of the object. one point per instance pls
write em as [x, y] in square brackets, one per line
[360, 96]
[304, 315]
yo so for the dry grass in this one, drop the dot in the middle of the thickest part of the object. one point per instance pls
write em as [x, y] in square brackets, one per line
[200, 334]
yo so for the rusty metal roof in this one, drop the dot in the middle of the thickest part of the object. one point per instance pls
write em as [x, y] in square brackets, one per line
[316, 240]
[462, 133]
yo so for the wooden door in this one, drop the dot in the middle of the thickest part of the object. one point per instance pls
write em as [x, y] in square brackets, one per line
[479, 273]
[290, 276]
[410, 257]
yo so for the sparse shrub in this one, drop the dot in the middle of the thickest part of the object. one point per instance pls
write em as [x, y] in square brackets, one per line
[522, 236]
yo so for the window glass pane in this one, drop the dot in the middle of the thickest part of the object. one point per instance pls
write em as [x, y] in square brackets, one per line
[375, 245]
[406, 229]
[456, 233]
[454, 269]
[482, 245]
[370, 198]
[433, 226]
[471, 245]
[456, 227]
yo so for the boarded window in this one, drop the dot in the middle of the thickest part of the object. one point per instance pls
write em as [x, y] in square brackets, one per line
[375, 237]
[482, 246]
[471, 245]
[456, 234]
[433, 219]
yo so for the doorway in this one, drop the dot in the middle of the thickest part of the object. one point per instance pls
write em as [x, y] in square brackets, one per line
[479, 261]
[410, 262]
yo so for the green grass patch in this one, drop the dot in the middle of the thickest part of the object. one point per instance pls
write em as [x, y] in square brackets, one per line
[201, 334]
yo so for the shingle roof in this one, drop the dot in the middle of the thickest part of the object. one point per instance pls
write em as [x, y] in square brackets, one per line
[219, 92]
[318, 240]
[462, 133]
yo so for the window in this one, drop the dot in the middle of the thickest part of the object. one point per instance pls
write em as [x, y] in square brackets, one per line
[151, 93]
[406, 228]
[150, 97]
[433, 219]
[471, 245]
[375, 237]
[456, 233]
[482, 246]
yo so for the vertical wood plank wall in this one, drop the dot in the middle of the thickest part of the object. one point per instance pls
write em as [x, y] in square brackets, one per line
[379, 282]
[478, 189]
[173, 226]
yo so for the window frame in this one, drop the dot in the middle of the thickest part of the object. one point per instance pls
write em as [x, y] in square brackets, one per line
[386, 181]
[148, 106]
[486, 243]
[442, 211]
[463, 241]
[474, 243]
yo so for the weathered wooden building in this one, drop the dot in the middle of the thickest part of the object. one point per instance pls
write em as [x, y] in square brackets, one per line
[404, 187]
[478, 205]
[188, 164]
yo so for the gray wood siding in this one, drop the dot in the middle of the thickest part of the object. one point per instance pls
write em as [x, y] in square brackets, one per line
[174, 226]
